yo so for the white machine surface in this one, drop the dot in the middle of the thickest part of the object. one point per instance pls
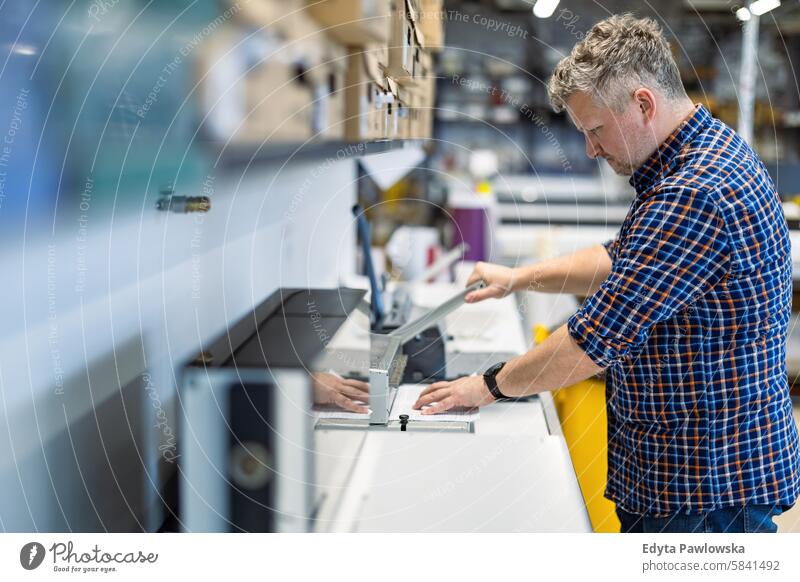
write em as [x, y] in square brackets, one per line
[512, 475]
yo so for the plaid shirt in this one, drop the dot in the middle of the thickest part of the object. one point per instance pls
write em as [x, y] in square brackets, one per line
[691, 324]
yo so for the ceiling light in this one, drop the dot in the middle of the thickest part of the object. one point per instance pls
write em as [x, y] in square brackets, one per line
[545, 8]
[760, 7]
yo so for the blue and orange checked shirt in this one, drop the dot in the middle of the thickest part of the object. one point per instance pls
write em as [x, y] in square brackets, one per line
[691, 325]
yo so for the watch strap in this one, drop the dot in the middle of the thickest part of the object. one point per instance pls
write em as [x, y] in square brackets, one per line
[490, 378]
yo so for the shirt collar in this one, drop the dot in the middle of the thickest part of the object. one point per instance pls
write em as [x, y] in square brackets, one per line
[658, 164]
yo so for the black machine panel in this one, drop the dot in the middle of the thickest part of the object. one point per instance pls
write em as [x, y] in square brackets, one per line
[252, 458]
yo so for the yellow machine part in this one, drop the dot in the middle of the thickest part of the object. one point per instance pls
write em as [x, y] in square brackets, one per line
[582, 411]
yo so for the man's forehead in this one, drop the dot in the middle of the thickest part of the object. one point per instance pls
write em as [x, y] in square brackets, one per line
[583, 111]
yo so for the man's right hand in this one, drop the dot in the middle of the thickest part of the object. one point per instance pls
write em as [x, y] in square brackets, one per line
[499, 281]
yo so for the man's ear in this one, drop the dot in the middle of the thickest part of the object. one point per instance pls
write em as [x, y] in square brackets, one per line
[646, 102]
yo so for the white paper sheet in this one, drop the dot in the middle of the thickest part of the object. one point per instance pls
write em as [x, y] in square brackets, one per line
[335, 412]
[407, 395]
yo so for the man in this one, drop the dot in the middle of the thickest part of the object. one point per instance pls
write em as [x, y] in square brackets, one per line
[688, 305]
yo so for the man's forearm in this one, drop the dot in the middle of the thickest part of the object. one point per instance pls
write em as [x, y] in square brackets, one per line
[556, 363]
[579, 273]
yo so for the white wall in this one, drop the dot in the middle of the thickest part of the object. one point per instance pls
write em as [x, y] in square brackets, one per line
[94, 332]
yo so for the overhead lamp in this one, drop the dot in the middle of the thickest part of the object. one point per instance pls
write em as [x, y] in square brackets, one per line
[545, 8]
[760, 7]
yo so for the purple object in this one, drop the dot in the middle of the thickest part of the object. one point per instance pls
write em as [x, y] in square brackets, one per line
[470, 226]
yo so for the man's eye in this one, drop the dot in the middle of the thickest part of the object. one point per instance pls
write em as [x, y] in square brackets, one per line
[595, 130]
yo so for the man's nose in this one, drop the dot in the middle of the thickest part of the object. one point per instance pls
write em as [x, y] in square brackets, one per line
[592, 150]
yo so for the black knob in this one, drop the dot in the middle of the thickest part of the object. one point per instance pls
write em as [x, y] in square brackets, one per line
[403, 422]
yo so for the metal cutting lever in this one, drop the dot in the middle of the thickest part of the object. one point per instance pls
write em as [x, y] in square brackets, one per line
[429, 319]
[442, 263]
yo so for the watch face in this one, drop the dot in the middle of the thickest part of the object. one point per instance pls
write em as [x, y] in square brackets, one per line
[494, 369]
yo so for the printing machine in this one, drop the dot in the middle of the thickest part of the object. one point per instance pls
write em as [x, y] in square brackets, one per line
[260, 451]
[247, 433]
[451, 345]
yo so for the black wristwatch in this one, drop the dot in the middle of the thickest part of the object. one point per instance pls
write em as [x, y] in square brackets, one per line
[490, 377]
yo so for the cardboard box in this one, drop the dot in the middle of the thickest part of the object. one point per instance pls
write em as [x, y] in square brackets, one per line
[322, 64]
[421, 68]
[283, 84]
[354, 22]
[303, 99]
[430, 21]
[407, 113]
[405, 39]
[279, 105]
[245, 101]
[367, 95]
[409, 61]
[420, 105]
[396, 111]
[306, 41]
[413, 100]
[427, 102]
[260, 13]
[328, 80]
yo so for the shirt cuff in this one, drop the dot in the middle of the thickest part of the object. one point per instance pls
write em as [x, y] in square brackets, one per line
[608, 244]
[585, 335]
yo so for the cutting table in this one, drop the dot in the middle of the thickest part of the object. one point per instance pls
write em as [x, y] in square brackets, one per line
[511, 473]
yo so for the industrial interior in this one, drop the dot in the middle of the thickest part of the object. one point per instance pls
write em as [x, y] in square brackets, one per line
[221, 216]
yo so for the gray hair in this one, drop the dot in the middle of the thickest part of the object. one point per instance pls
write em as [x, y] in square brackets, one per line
[617, 55]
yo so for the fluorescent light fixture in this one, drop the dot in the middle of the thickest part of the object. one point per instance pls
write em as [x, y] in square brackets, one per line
[743, 14]
[760, 7]
[545, 8]
[23, 49]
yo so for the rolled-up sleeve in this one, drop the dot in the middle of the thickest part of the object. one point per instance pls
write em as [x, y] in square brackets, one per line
[674, 250]
[610, 245]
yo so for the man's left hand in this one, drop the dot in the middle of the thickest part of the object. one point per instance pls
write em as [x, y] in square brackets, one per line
[468, 392]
